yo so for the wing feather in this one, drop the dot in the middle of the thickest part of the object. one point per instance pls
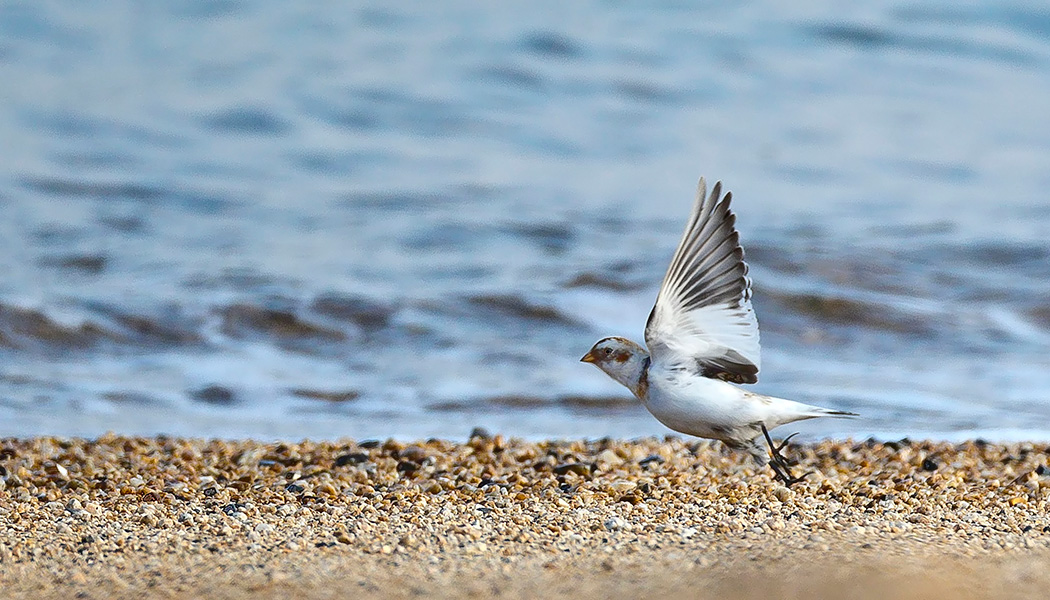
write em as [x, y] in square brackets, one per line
[703, 319]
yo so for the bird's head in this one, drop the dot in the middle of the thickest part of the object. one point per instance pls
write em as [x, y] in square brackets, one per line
[620, 358]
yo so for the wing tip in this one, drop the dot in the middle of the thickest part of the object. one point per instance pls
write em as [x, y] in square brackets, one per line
[716, 190]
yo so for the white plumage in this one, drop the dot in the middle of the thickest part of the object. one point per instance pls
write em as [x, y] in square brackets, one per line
[703, 336]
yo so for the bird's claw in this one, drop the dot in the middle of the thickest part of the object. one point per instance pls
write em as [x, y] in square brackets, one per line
[781, 472]
[778, 462]
[783, 444]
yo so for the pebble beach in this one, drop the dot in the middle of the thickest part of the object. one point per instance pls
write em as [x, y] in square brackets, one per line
[123, 517]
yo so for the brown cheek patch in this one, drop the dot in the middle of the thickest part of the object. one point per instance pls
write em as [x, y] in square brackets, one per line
[621, 357]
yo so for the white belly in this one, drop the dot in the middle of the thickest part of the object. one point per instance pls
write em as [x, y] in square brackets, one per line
[703, 407]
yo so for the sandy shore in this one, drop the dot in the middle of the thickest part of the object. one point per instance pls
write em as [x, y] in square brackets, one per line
[127, 517]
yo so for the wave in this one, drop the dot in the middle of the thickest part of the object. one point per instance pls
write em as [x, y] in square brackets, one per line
[327, 319]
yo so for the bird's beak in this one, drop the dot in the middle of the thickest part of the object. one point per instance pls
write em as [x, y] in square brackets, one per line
[589, 357]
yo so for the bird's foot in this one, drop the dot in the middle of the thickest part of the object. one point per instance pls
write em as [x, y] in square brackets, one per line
[783, 474]
[778, 462]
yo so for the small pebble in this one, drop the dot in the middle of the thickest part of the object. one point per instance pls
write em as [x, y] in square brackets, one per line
[351, 458]
[578, 468]
[782, 493]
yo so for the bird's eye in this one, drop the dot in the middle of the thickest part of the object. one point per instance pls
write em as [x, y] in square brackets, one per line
[608, 351]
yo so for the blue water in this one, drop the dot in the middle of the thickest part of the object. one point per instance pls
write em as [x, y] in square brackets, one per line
[408, 219]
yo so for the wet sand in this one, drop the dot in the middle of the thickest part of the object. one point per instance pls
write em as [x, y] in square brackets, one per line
[128, 517]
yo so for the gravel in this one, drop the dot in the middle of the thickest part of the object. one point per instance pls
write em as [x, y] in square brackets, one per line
[125, 516]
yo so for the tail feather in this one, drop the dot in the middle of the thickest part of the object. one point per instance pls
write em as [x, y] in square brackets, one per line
[827, 412]
[782, 411]
[804, 412]
[808, 411]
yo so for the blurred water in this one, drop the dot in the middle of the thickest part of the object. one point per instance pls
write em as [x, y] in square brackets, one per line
[289, 220]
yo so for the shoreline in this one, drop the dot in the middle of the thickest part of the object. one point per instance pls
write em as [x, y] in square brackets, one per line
[123, 516]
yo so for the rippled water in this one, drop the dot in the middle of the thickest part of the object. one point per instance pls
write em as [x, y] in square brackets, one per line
[281, 220]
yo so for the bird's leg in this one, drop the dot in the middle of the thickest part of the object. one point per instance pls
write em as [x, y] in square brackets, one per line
[774, 449]
[778, 463]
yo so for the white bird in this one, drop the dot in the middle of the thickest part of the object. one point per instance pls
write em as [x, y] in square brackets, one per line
[702, 336]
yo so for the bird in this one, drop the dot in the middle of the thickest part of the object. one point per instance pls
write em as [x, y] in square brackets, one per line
[702, 340]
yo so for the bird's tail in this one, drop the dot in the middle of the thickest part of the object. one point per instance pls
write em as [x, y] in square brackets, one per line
[791, 411]
[827, 412]
[783, 411]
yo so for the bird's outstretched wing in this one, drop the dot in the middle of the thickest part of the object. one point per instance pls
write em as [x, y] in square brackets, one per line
[703, 317]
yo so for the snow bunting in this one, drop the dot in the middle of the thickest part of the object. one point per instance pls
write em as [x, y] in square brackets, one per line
[702, 336]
